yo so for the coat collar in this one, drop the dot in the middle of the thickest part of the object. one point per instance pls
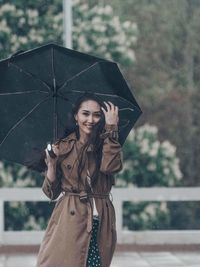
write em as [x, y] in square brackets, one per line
[72, 139]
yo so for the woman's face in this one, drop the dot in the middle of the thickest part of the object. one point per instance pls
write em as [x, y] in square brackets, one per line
[87, 116]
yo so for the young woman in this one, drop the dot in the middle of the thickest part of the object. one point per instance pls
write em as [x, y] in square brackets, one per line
[81, 231]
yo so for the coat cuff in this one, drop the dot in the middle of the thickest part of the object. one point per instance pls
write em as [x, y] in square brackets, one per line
[50, 186]
[110, 130]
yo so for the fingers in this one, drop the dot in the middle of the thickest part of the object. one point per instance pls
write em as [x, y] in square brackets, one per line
[55, 149]
[110, 112]
[110, 107]
[47, 157]
[104, 111]
[107, 106]
[116, 109]
[46, 152]
[50, 159]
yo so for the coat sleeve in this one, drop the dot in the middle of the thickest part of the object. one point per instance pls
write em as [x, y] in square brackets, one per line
[112, 151]
[51, 189]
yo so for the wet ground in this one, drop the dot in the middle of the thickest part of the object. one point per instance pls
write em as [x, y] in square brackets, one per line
[121, 259]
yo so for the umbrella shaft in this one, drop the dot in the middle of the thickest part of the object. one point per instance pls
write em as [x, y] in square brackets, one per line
[55, 117]
[55, 120]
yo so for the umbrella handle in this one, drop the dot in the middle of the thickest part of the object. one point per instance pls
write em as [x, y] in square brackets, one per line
[50, 151]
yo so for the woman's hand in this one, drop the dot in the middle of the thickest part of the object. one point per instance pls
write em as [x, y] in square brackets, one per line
[51, 163]
[111, 115]
[49, 160]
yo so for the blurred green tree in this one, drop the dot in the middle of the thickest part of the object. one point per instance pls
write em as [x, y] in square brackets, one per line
[166, 78]
[95, 30]
[148, 162]
[26, 24]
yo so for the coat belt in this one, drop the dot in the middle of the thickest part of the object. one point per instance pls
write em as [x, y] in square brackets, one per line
[84, 198]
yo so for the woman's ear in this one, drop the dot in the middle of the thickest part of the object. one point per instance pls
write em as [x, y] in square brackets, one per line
[75, 117]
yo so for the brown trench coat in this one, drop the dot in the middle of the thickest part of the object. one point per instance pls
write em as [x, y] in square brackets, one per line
[67, 237]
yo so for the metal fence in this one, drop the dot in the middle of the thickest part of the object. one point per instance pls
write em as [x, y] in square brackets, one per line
[120, 195]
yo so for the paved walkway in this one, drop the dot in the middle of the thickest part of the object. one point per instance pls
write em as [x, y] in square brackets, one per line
[121, 259]
[156, 259]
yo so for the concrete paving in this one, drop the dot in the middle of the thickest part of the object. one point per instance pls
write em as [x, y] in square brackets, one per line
[156, 259]
[121, 259]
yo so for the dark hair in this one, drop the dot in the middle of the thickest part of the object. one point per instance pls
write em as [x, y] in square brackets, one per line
[38, 163]
[94, 139]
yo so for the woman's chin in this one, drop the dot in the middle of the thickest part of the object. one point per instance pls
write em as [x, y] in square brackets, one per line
[87, 132]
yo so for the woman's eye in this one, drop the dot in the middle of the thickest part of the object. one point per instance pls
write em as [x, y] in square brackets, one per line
[86, 114]
[98, 115]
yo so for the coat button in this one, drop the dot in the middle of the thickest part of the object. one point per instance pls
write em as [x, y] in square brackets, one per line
[69, 166]
[72, 212]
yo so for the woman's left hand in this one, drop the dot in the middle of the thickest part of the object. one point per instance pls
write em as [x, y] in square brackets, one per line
[111, 115]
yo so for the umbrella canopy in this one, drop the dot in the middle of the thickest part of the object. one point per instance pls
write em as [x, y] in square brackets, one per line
[38, 88]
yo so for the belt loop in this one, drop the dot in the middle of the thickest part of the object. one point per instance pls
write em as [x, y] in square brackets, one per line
[83, 196]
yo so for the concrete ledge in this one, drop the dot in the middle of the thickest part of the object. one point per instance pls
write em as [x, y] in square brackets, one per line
[21, 238]
[6, 249]
[14, 249]
[157, 248]
[164, 237]
[161, 237]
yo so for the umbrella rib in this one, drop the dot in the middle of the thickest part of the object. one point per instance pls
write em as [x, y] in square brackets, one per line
[78, 74]
[31, 75]
[23, 92]
[53, 69]
[122, 109]
[101, 94]
[22, 119]
[125, 125]
[117, 96]
[55, 117]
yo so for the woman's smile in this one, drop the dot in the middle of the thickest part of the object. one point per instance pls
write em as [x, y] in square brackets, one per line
[89, 126]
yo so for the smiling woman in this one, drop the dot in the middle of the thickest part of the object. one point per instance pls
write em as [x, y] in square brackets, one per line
[82, 224]
[88, 115]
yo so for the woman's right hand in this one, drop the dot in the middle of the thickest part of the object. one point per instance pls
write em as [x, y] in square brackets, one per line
[51, 163]
[49, 160]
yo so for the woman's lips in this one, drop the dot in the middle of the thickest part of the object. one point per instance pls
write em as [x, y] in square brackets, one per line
[89, 126]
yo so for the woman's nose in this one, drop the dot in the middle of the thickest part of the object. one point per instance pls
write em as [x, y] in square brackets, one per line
[90, 119]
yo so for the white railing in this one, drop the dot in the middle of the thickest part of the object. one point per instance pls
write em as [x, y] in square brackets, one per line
[120, 195]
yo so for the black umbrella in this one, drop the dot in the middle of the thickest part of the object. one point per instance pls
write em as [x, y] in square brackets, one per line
[38, 88]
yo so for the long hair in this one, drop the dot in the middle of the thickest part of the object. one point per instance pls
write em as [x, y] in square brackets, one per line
[93, 141]
[38, 163]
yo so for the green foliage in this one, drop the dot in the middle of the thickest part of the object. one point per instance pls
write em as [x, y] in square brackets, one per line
[23, 215]
[20, 29]
[27, 24]
[99, 31]
[10, 173]
[27, 215]
[95, 30]
[147, 161]
[165, 77]
[142, 216]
